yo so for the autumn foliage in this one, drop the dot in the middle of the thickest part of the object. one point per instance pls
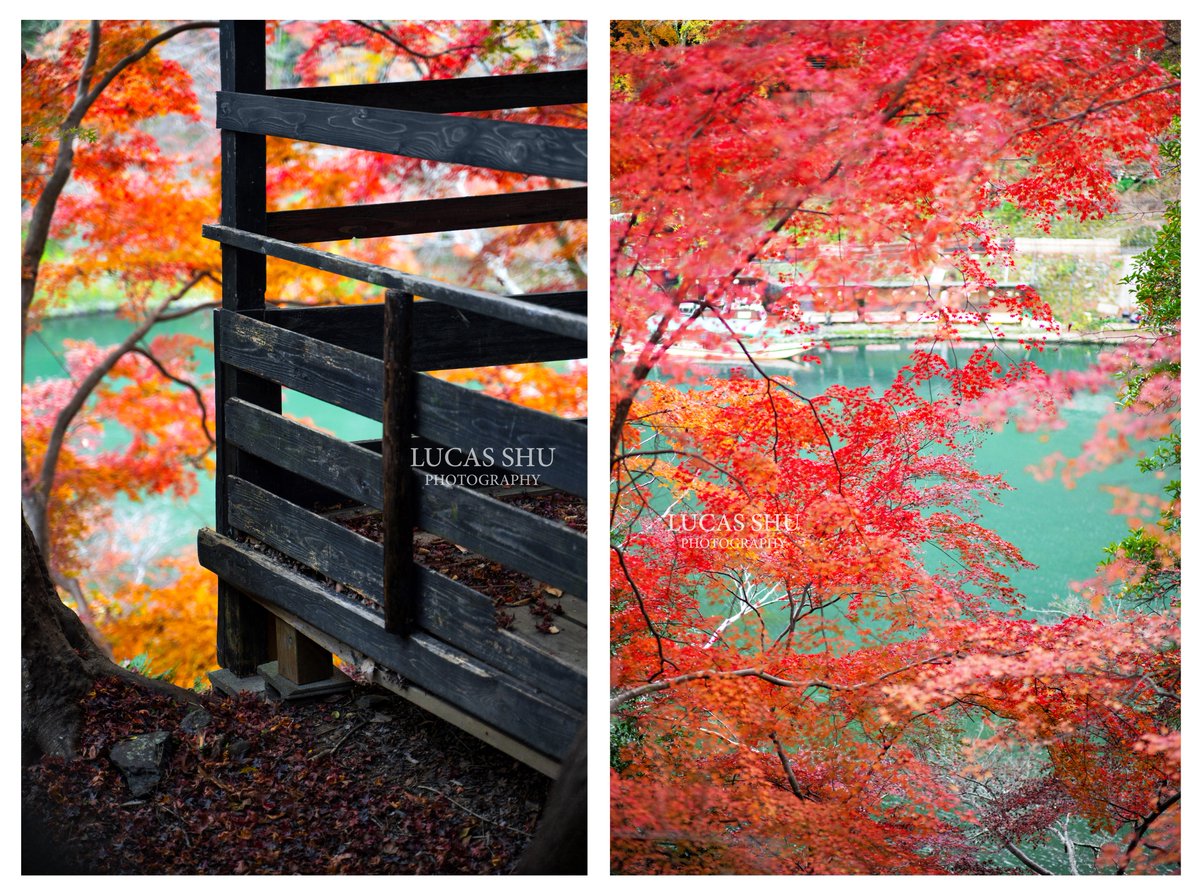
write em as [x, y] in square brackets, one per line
[119, 173]
[820, 664]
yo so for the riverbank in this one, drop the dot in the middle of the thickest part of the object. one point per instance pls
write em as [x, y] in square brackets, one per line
[888, 335]
[883, 331]
[109, 305]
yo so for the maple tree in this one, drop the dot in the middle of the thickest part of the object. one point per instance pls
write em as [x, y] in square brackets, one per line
[93, 175]
[114, 154]
[820, 664]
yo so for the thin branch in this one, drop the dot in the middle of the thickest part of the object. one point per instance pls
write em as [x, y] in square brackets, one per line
[751, 672]
[787, 770]
[41, 491]
[179, 314]
[337, 746]
[662, 659]
[683, 454]
[1140, 830]
[1025, 859]
[1091, 110]
[473, 814]
[182, 382]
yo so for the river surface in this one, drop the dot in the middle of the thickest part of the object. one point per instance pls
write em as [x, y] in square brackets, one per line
[1060, 530]
[173, 522]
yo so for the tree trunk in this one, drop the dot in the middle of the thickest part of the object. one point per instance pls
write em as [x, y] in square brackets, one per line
[560, 844]
[59, 663]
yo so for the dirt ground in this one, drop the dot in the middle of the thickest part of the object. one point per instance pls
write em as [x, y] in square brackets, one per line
[362, 783]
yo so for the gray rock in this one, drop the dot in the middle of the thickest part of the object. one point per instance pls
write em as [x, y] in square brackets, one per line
[195, 720]
[238, 748]
[372, 701]
[141, 760]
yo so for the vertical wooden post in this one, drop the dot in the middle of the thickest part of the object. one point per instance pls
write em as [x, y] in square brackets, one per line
[301, 660]
[399, 500]
[242, 625]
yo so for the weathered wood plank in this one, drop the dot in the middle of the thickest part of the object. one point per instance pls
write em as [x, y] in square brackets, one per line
[445, 413]
[468, 419]
[319, 466]
[342, 377]
[327, 547]
[531, 149]
[460, 94]
[399, 497]
[447, 338]
[503, 701]
[346, 468]
[512, 309]
[454, 612]
[574, 610]
[539, 547]
[554, 664]
[434, 215]
[243, 627]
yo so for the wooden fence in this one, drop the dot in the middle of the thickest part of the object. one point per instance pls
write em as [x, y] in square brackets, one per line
[282, 556]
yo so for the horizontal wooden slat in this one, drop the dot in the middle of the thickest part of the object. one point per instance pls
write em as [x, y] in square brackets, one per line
[342, 377]
[574, 610]
[312, 540]
[555, 664]
[530, 149]
[448, 609]
[347, 468]
[460, 94]
[541, 548]
[446, 413]
[536, 546]
[497, 306]
[445, 337]
[468, 419]
[503, 701]
[435, 215]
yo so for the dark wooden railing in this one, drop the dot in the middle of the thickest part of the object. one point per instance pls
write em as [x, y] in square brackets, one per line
[280, 555]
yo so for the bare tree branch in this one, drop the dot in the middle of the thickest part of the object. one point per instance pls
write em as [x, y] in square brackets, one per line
[752, 672]
[662, 659]
[182, 382]
[43, 210]
[40, 495]
[1140, 831]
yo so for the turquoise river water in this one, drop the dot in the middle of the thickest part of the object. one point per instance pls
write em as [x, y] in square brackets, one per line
[1060, 530]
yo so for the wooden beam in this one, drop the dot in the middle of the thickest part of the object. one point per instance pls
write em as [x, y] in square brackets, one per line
[536, 546]
[301, 660]
[454, 415]
[507, 703]
[434, 215]
[242, 625]
[347, 468]
[498, 306]
[460, 94]
[399, 500]
[447, 338]
[514, 308]
[456, 613]
[530, 149]
[345, 378]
